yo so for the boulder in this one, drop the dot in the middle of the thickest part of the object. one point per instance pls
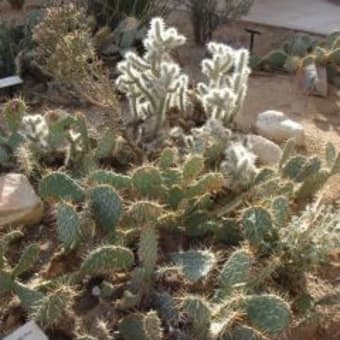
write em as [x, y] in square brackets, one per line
[266, 151]
[276, 126]
[19, 204]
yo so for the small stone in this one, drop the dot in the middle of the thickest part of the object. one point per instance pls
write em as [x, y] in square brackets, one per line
[266, 151]
[276, 126]
[29, 331]
[19, 204]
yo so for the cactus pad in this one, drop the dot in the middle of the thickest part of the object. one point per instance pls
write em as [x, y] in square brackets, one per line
[280, 208]
[28, 258]
[192, 168]
[148, 250]
[141, 327]
[106, 259]
[236, 269]
[105, 145]
[68, 226]
[147, 181]
[106, 206]
[196, 264]
[118, 181]
[268, 313]
[58, 186]
[257, 224]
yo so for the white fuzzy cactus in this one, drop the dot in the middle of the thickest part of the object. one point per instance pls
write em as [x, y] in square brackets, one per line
[35, 129]
[227, 73]
[154, 83]
[239, 164]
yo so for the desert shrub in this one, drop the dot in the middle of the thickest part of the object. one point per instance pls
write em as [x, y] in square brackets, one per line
[206, 16]
[65, 51]
[111, 12]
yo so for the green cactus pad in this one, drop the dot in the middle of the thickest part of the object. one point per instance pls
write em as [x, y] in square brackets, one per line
[199, 313]
[211, 182]
[228, 232]
[51, 308]
[166, 306]
[6, 282]
[105, 145]
[14, 112]
[175, 196]
[312, 185]
[107, 259]
[268, 313]
[310, 168]
[167, 159]
[28, 297]
[141, 327]
[236, 270]
[257, 224]
[68, 226]
[264, 175]
[293, 167]
[106, 206]
[58, 186]
[118, 181]
[196, 264]
[280, 208]
[147, 181]
[192, 168]
[148, 250]
[145, 212]
[240, 332]
[27, 259]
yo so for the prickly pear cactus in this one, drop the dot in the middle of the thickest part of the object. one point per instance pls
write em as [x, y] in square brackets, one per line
[196, 264]
[236, 270]
[147, 181]
[107, 258]
[58, 186]
[268, 313]
[117, 181]
[68, 226]
[141, 326]
[198, 312]
[106, 207]
[257, 225]
[14, 112]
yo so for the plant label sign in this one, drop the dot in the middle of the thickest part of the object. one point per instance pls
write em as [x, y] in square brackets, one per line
[29, 331]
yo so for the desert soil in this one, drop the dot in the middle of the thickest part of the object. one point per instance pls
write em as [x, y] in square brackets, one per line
[320, 116]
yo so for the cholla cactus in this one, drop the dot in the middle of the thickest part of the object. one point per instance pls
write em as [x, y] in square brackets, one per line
[154, 83]
[227, 72]
[239, 163]
[35, 129]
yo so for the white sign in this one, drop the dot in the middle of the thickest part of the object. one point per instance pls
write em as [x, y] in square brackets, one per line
[10, 81]
[29, 331]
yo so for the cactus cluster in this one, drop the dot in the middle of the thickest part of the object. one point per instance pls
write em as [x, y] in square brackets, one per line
[302, 50]
[189, 241]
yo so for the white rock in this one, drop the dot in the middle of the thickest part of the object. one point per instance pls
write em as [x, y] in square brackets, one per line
[278, 127]
[29, 331]
[19, 204]
[266, 151]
